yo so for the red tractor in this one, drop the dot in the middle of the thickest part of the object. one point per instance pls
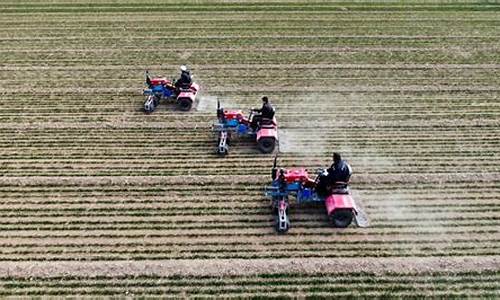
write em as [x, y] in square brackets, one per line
[232, 123]
[340, 205]
[159, 88]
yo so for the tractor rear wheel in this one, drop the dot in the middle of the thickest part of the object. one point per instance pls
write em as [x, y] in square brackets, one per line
[341, 218]
[184, 104]
[267, 144]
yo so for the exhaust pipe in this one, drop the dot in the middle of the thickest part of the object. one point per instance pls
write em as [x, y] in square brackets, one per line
[148, 79]
[220, 112]
[274, 170]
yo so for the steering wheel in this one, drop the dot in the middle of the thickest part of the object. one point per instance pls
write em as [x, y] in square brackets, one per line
[320, 173]
[250, 115]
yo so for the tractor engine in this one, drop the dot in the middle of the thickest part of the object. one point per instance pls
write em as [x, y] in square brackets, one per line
[159, 81]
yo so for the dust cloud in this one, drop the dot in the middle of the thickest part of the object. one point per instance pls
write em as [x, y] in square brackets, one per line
[207, 103]
[302, 141]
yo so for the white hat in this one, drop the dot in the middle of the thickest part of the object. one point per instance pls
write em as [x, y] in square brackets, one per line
[183, 68]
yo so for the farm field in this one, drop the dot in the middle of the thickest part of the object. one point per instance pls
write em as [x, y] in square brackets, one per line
[99, 199]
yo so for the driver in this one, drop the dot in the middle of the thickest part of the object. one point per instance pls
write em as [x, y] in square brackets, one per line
[339, 171]
[185, 80]
[266, 112]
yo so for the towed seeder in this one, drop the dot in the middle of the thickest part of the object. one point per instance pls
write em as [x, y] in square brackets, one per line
[232, 123]
[160, 88]
[341, 208]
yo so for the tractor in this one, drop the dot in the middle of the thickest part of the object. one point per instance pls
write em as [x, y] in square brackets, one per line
[340, 205]
[232, 123]
[159, 88]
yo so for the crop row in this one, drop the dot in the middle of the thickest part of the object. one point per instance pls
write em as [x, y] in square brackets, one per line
[241, 41]
[273, 242]
[289, 97]
[134, 104]
[160, 122]
[361, 131]
[285, 110]
[237, 248]
[488, 82]
[207, 32]
[416, 186]
[484, 56]
[321, 7]
[213, 85]
[235, 47]
[434, 224]
[251, 73]
[461, 201]
[115, 255]
[75, 168]
[174, 214]
[117, 117]
[129, 73]
[485, 284]
[175, 217]
[254, 235]
[321, 121]
[234, 41]
[354, 234]
[142, 169]
[242, 149]
[358, 132]
[204, 8]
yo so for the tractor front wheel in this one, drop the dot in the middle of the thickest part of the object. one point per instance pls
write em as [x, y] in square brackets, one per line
[281, 226]
[222, 152]
[150, 104]
[281, 220]
[267, 144]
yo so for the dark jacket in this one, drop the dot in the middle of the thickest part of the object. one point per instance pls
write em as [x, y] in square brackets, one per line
[185, 80]
[267, 111]
[339, 172]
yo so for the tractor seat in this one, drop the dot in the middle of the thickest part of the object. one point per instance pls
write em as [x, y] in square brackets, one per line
[267, 123]
[340, 187]
[185, 88]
